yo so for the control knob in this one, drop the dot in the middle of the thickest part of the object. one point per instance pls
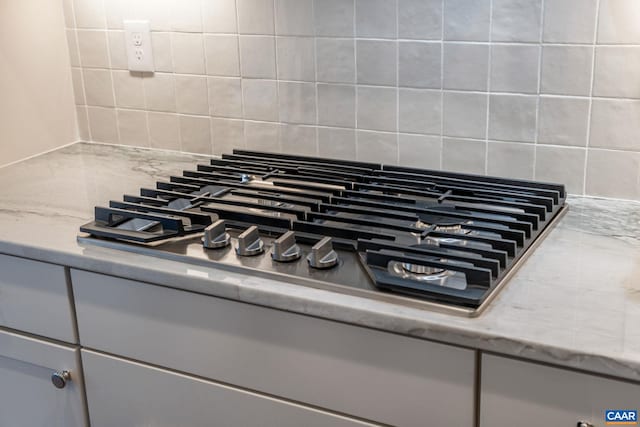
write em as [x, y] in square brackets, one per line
[322, 255]
[215, 236]
[250, 243]
[285, 248]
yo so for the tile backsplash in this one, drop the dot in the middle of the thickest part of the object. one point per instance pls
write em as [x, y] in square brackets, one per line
[534, 89]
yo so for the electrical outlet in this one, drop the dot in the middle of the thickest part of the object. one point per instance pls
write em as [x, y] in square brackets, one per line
[138, 43]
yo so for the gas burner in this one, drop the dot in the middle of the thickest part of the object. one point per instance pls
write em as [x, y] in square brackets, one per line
[453, 228]
[418, 272]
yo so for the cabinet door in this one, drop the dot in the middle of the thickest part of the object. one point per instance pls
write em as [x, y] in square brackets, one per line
[28, 397]
[368, 374]
[124, 393]
[516, 393]
[34, 297]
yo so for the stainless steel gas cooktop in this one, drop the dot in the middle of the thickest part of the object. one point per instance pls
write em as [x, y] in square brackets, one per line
[424, 238]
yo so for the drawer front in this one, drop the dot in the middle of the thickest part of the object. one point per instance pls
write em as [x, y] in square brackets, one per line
[27, 396]
[516, 393]
[124, 393]
[34, 298]
[369, 374]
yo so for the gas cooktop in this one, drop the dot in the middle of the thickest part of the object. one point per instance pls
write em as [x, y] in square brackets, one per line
[442, 240]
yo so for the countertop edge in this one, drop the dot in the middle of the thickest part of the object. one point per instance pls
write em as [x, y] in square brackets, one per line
[337, 307]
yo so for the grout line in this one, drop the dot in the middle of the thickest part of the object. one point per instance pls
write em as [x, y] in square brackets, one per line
[244, 141]
[441, 159]
[539, 77]
[488, 94]
[397, 43]
[355, 79]
[276, 56]
[315, 71]
[590, 108]
[84, 106]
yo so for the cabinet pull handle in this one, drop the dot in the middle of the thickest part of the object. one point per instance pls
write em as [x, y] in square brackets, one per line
[584, 424]
[59, 379]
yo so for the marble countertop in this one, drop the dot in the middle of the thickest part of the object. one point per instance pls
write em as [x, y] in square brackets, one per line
[575, 302]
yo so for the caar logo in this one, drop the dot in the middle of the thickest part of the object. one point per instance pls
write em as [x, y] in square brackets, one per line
[619, 417]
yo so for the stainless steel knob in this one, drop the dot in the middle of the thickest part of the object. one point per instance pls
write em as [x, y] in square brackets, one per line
[249, 242]
[285, 248]
[584, 424]
[215, 236]
[59, 379]
[322, 255]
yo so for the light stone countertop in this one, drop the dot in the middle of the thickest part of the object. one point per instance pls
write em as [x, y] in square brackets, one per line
[575, 302]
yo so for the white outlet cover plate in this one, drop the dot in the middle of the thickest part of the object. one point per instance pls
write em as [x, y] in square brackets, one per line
[138, 45]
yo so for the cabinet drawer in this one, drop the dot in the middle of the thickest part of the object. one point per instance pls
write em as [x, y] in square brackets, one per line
[27, 396]
[369, 374]
[124, 393]
[516, 393]
[34, 298]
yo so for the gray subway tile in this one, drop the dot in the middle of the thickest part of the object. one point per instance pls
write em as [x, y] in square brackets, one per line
[466, 66]
[615, 124]
[297, 102]
[334, 18]
[566, 70]
[569, 21]
[464, 114]
[221, 53]
[377, 147]
[226, 134]
[262, 136]
[510, 159]
[512, 118]
[563, 121]
[562, 165]
[258, 57]
[464, 155]
[420, 19]
[298, 139]
[618, 22]
[466, 20]
[376, 62]
[294, 17]
[336, 105]
[376, 18]
[516, 20]
[514, 68]
[260, 99]
[255, 16]
[420, 110]
[296, 59]
[616, 71]
[419, 64]
[613, 174]
[377, 108]
[420, 151]
[337, 143]
[225, 97]
[335, 60]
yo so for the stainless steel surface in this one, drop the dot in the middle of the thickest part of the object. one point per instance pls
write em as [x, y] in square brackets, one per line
[250, 243]
[322, 255]
[349, 279]
[216, 236]
[60, 379]
[285, 248]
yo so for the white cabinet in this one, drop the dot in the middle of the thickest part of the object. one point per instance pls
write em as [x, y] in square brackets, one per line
[125, 393]
[364, 373]
[34, 297]
[28, 397]
[515, 393]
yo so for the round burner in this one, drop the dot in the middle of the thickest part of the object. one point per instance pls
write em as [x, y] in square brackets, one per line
[418, 272]
[421, 269]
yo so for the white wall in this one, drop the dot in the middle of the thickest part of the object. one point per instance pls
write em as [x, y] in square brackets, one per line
[37, 110]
